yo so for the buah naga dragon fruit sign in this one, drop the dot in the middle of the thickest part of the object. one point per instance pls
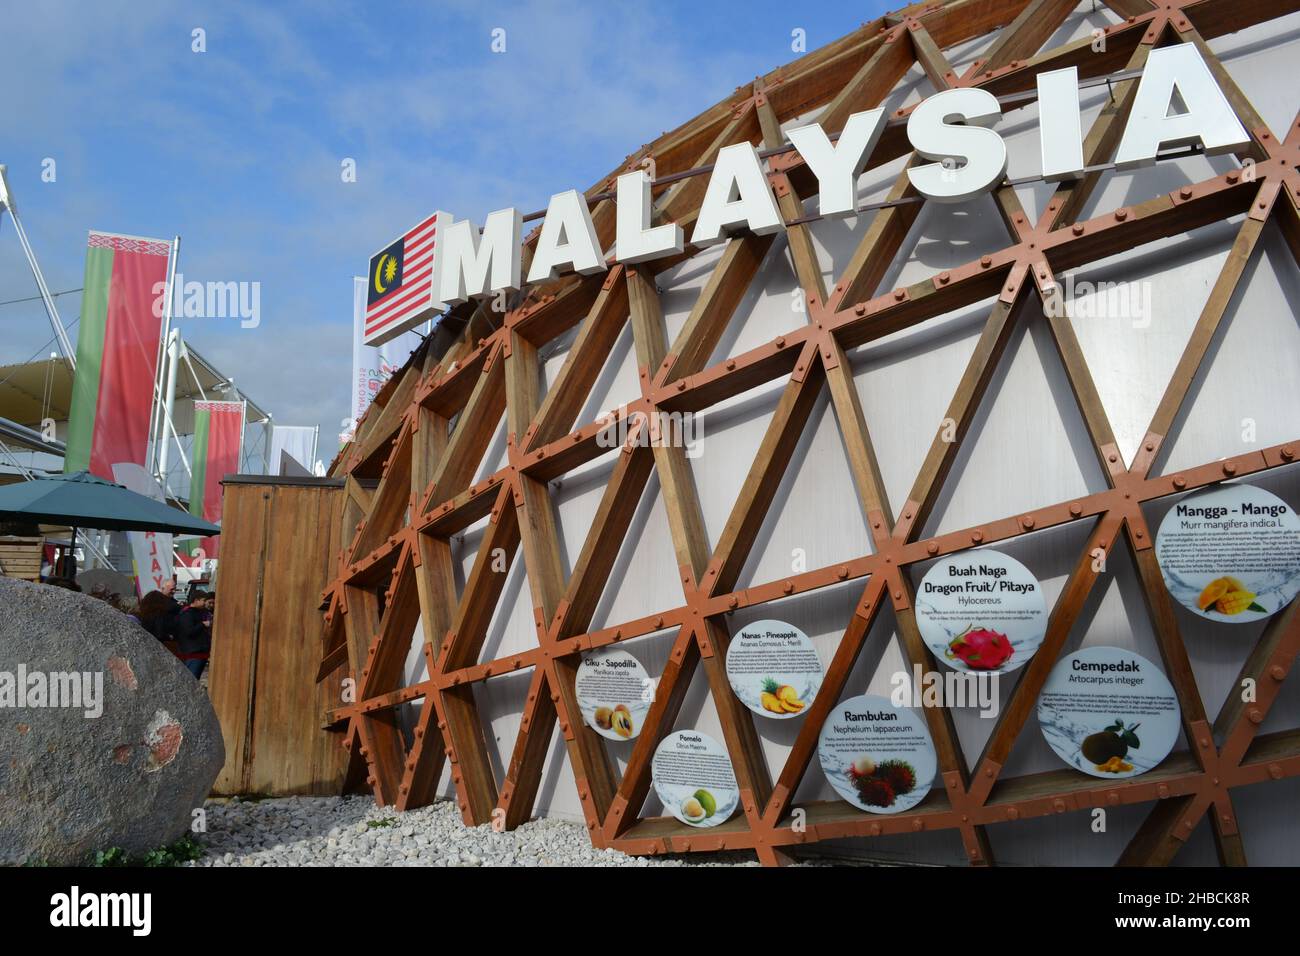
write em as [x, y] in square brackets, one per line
[981, 612]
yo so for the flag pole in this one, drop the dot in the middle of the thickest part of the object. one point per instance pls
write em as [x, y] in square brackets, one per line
[268, 431]
[243, 423]
[169, 403]
[156, 431]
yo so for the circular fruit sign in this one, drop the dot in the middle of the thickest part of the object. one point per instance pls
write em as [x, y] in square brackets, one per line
[981, 611]
[774, 669]
[693, 778]
[1109, 712]
[1231, 553]
[878, 757]
[614, 693]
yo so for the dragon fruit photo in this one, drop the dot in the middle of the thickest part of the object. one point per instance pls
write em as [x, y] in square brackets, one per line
[980, 649]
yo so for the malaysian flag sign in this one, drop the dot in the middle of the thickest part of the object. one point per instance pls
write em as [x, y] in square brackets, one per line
[399, 293]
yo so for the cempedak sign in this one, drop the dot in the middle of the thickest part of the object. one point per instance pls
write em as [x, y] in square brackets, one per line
[1178, 103]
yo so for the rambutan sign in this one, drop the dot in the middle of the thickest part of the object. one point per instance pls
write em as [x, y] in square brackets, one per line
[878, 757]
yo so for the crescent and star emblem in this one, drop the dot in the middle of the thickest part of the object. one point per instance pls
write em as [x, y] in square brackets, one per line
[380, 288]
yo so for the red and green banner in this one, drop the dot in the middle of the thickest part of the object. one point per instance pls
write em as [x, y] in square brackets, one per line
[218, 435]
[117, 353]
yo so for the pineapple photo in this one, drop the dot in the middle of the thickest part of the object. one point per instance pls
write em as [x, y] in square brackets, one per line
[780, 698]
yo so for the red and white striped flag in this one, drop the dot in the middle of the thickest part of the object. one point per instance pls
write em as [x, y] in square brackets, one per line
[400, 283]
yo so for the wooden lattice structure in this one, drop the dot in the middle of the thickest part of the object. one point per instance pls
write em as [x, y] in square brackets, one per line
[411, 468]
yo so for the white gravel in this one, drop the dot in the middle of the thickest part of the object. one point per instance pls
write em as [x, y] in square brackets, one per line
[341, 831]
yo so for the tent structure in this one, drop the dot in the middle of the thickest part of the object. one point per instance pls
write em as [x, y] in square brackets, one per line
[34, 392]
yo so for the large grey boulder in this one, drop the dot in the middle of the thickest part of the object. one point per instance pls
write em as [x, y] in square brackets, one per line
[131, 749]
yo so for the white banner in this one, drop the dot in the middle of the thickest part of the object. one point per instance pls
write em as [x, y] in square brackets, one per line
[151, 551]
[298, 441]
[371, 366]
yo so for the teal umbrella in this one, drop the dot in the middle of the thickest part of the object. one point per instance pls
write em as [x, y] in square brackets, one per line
[81, 500]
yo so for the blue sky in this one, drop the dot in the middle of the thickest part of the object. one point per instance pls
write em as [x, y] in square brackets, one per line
[239, 149]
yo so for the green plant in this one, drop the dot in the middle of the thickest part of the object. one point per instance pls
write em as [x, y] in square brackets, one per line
[113, 856]
[183, 850]
[381, 823]
[173, 854]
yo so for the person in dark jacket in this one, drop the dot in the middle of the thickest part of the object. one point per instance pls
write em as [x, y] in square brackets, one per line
[194, 633]
[157, 615]
[169, 591]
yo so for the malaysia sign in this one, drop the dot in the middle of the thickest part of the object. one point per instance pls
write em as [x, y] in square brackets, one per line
[1177, 103]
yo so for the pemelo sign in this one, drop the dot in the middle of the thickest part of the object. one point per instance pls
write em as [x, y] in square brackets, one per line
[1178, 103]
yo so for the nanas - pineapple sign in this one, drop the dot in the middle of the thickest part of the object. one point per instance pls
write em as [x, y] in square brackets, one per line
[442, 261]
